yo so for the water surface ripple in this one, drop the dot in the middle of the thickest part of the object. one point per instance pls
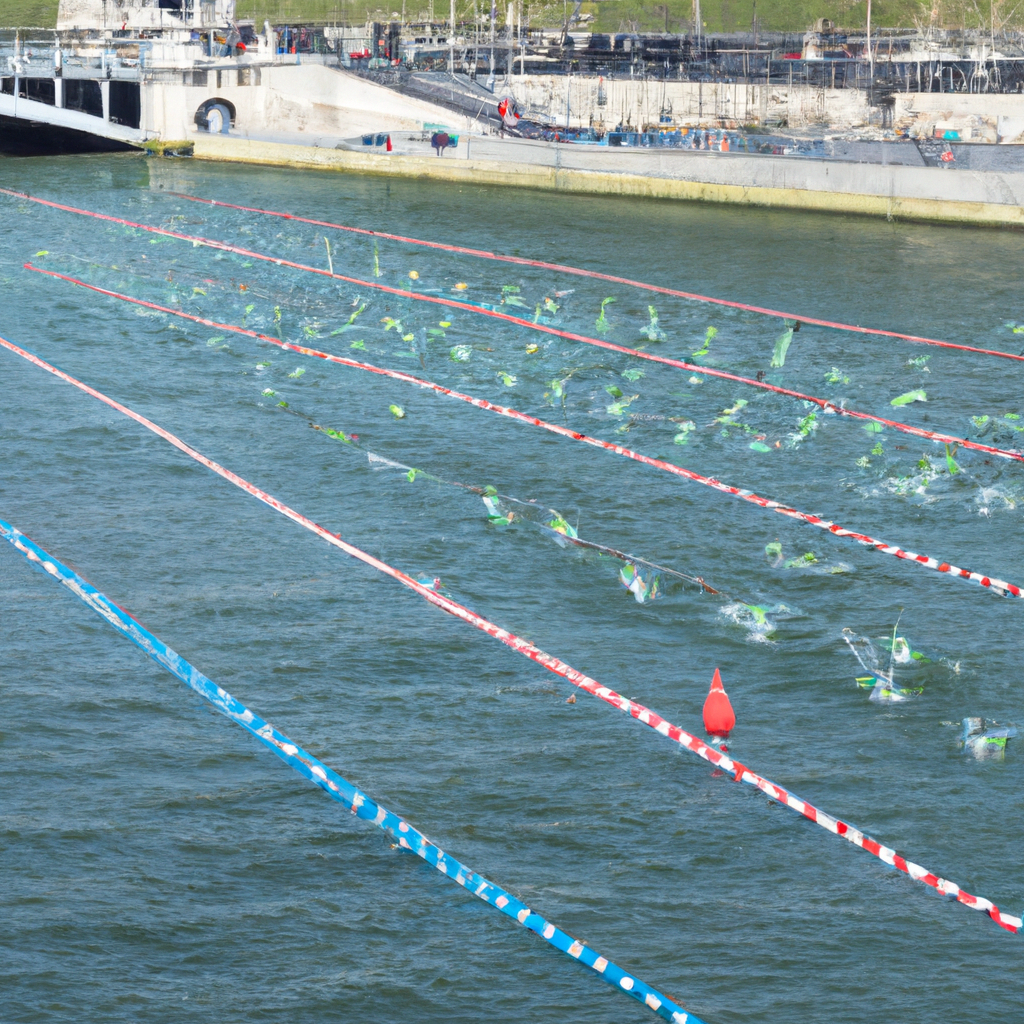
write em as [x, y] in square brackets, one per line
[160, 866]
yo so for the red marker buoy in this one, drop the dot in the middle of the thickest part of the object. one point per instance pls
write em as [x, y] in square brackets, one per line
[719, 717]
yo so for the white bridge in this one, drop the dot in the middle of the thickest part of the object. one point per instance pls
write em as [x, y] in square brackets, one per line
[115, 75]
[82, 112]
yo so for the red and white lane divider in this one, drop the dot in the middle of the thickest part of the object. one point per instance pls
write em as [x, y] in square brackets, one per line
[740, 772]
[822, 403]
[562, 268]
[989, 582]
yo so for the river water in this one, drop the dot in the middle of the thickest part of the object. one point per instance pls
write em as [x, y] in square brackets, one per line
[161, 866]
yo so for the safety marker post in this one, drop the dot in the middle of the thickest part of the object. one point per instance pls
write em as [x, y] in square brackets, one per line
[644, 715]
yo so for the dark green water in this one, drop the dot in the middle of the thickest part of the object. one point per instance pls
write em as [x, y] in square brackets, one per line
[160, 866]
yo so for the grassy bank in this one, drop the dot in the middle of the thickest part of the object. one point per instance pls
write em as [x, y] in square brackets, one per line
[34, 13]
[738, 15]
[652, 16]
[609, 15]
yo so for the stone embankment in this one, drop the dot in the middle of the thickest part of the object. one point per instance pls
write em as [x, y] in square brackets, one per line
[607, 103]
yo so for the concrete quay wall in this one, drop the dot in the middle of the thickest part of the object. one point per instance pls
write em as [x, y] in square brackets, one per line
[897, 192]
[306, 98]
[606, 103]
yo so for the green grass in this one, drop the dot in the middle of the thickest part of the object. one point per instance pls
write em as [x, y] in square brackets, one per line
[358, 12]
[609, 15]
[797, 15]
[32, 13]
[627, 15]
[738, 15]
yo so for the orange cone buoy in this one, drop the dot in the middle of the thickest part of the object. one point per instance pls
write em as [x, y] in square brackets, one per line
[719, 717]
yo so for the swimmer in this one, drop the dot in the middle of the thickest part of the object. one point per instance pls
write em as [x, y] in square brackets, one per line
[982, 743]
[496, 515]
[644, 590]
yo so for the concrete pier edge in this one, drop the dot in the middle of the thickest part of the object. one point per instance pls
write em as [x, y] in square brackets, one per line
[905, 208]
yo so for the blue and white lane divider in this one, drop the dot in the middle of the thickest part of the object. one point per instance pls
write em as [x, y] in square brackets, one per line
[340, 789]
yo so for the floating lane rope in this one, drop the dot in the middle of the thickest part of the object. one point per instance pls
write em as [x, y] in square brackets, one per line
[989, 582]
[822, 403]
[530, 507]
[339, 789]
[740, 772]
[562, 268]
